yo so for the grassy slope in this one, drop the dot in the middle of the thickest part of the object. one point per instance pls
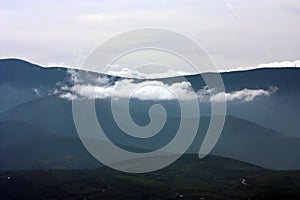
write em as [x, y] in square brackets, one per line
[212, 178]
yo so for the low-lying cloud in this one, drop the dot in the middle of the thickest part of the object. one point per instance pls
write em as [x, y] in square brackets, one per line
[281, 64]
[132, 73]
[244, 95]
[90, 86]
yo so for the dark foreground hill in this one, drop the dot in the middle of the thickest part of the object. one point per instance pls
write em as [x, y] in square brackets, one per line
[188, 178]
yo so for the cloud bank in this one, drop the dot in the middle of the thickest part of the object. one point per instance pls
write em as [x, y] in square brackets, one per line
[127, 72]
[245, 95]
[90, 86]
[132, 73]
[281, 64]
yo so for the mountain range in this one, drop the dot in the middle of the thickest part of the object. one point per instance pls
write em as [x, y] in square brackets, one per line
[37, 128]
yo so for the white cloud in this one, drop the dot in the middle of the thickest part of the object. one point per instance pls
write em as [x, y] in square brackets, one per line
[58, 64]
[131, 73]
[127, 88]
[36, 91]
[295, 63]
[40, 91]
[280, 64]
[244, 95]
[89, 86]
[68, 96]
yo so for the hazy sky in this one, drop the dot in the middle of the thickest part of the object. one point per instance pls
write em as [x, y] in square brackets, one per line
[235, 33]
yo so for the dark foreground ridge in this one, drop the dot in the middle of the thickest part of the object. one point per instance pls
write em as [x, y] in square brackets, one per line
[188, 178]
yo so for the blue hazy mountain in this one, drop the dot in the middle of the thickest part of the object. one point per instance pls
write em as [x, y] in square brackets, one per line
[26, 146]
[19, 78]
[240, 139]
[44, 121]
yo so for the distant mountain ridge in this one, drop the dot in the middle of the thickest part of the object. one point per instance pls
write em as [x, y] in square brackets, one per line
[19, 78]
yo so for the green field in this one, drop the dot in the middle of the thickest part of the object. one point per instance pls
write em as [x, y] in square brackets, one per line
[188, 178]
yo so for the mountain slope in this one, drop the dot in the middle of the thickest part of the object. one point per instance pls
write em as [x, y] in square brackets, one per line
[25, 146]
[240, 138]
[19, 79]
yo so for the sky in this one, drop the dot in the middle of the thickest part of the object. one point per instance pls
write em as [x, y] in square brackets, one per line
[236, 34]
